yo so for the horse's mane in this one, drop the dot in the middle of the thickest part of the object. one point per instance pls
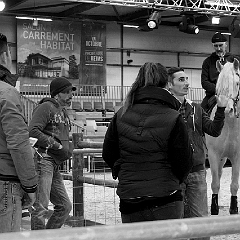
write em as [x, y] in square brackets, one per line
[225, 80]
[227, 83]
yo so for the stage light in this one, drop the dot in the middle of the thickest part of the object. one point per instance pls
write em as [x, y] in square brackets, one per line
[154, 20]
[215, 20]
[2, 5]
[188, 25]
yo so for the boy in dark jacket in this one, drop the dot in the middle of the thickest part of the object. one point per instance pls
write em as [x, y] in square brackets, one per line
[50, 124]
[197, 122]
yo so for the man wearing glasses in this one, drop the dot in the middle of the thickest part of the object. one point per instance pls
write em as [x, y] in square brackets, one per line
[210, 73]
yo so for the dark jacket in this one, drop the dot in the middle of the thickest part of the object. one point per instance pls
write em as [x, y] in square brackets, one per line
[148, 147]
[16, 160]
[198, 123]
[210, 73]
[50, 124]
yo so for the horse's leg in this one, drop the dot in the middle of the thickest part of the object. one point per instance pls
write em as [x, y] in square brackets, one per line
[234, 186]
[215, 185]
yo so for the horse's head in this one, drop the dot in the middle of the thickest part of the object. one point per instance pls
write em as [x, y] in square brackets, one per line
[228, 85]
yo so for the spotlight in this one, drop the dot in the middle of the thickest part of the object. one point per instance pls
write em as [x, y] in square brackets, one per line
[188, 25]
[2, 5]
[154, 20]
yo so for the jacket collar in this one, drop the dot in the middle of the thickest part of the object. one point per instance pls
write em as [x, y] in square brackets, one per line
[6, 76]
[157, 94]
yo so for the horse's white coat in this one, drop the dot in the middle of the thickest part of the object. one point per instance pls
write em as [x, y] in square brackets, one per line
[227, 145]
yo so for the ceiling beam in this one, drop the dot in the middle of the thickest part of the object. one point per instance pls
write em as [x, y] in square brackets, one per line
[82, 7]
[13, 3]
[47, 6]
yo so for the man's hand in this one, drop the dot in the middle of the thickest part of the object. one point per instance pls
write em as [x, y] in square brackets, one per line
[222, 100]
[28, 200]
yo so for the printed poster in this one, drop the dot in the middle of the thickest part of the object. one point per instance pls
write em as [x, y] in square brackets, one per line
[48, 50]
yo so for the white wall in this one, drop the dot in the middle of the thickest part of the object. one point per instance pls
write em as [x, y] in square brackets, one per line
[181, 49]
[166, 45]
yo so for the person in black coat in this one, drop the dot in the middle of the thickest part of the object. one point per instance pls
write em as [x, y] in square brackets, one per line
[209, 74]
[148, 149]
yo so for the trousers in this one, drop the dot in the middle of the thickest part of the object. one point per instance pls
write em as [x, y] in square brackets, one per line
[173, 210]
[194, 190]
[51, 189]
[10, 206]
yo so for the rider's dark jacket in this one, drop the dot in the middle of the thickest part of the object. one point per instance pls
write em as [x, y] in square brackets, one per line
[210, 73]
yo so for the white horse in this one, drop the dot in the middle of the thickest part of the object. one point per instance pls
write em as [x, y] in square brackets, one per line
[227, 145]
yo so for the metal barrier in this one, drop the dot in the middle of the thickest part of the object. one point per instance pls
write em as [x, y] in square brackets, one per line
[160, 230]
[95, 93]
[84, 146]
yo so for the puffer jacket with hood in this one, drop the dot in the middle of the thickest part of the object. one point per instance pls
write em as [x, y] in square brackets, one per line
[147, 147]
[50, 124]
[16, 160]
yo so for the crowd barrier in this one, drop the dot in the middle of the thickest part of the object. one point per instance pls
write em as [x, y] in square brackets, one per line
[84, 145]
[153, 230]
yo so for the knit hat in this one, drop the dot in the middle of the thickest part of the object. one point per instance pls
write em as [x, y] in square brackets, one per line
[218, 37]
[60, 84]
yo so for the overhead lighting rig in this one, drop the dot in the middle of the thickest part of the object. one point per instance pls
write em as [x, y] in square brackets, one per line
[188, 24]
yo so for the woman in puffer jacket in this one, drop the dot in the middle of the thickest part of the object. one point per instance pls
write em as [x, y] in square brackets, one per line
[148, 149]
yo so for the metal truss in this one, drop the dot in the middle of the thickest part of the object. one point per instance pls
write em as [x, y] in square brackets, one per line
[212, 7]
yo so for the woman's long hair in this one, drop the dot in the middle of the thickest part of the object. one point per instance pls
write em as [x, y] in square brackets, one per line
[150, 74]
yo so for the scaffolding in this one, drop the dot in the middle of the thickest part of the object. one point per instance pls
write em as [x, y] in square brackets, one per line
[212, 7]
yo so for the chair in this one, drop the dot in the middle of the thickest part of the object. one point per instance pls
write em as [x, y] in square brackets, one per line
[98, 106]
[72, 114]
[91, 123]
[81, 120]
[87, 106]
[109, 106]
[76, 106]
[102, 129]
[118, 104]
[90, 130]
[116, 108]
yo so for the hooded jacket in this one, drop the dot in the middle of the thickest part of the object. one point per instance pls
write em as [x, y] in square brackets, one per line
[210, 73]
[199, 123]
[50, 124]
[16, 160]
[147, 147]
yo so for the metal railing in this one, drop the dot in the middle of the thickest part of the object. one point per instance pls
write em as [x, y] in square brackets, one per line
[95, 93]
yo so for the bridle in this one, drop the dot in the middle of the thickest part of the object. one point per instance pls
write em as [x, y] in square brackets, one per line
[236, 100]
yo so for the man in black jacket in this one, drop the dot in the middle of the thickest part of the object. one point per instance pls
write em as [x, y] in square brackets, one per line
[50, 124]
[198, 123]
[148, 149]
[210, 73]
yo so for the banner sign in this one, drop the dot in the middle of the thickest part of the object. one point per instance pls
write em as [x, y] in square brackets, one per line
[93, 54]
[47, 50]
